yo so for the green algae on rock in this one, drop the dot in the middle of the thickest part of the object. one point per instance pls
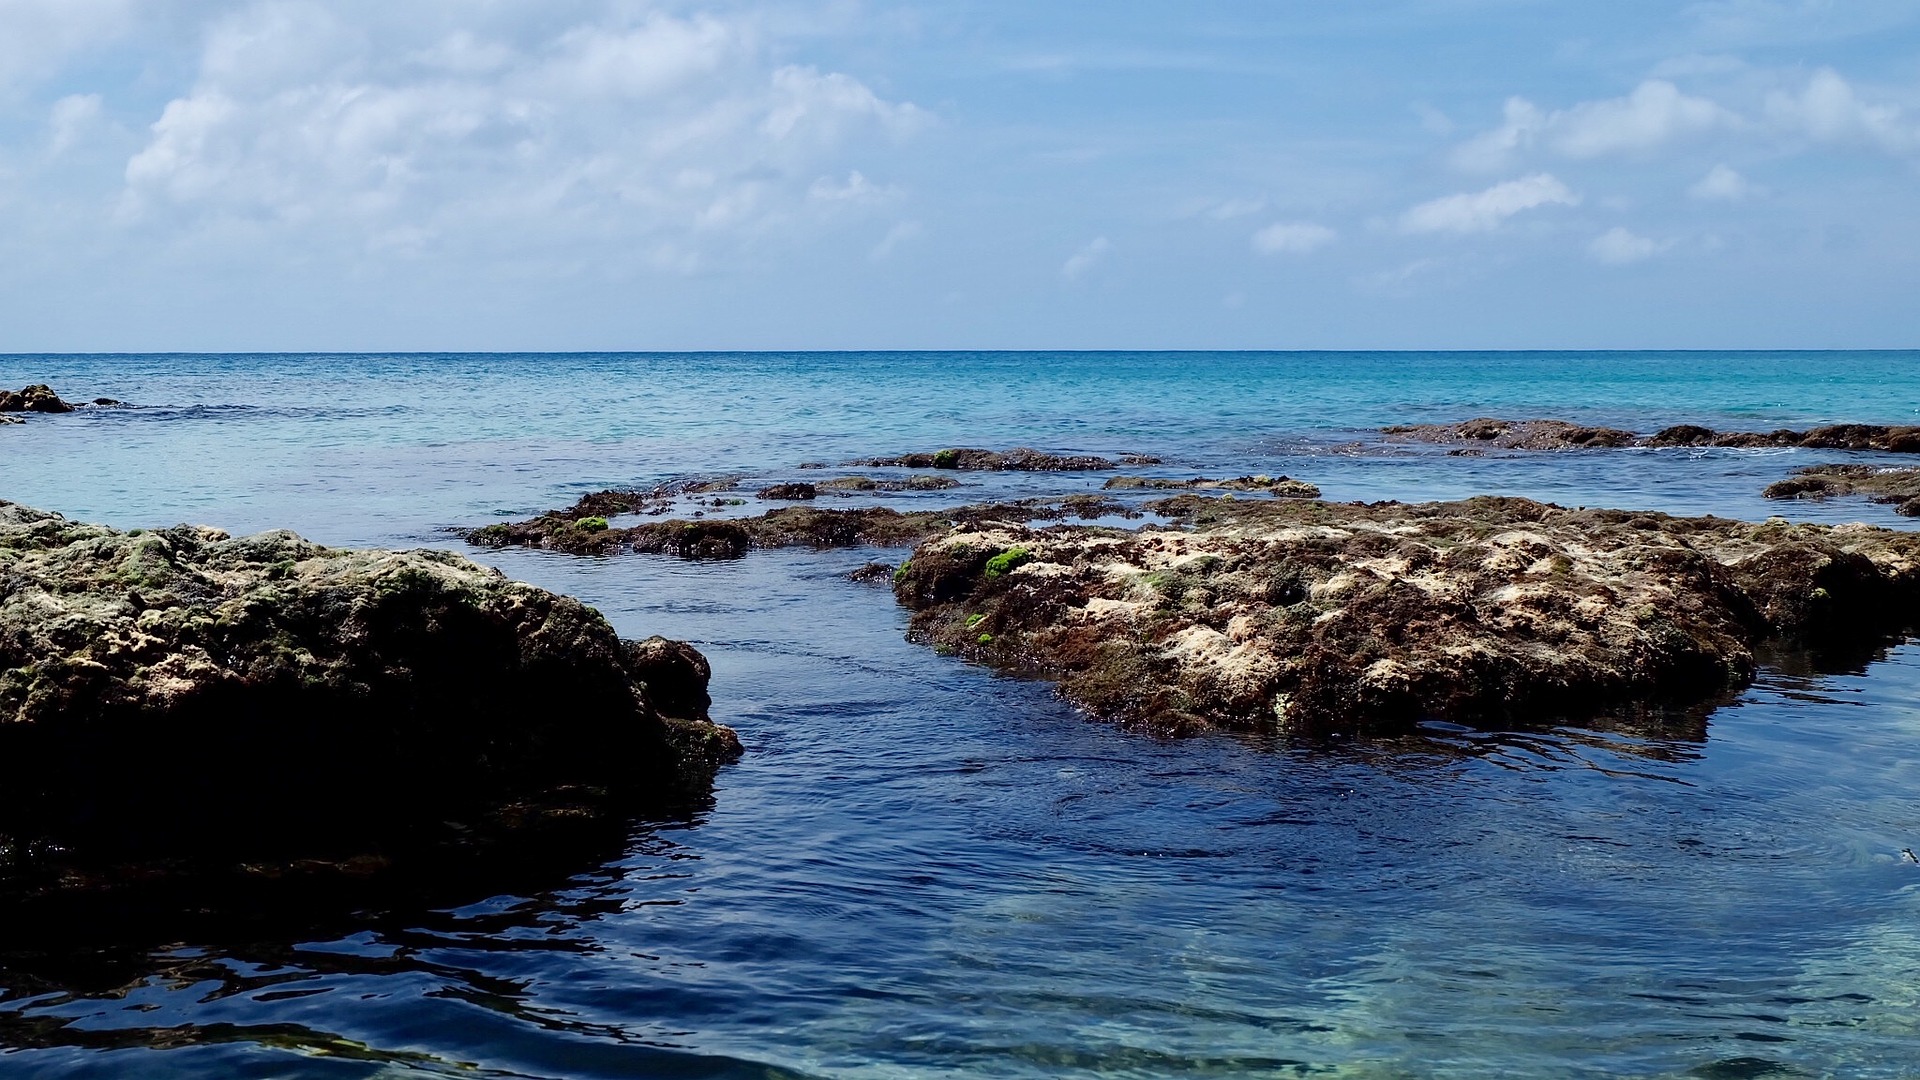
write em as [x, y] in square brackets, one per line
[1317, 619]
[181, 693]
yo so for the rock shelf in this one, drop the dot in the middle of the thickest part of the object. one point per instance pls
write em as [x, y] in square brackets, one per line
[1321, 619]
[1019, 459]
[1495, 434]
[1280, 487]
[1899, 488]
[786, 526]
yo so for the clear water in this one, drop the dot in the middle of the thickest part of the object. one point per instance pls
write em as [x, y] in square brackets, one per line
[921, 869]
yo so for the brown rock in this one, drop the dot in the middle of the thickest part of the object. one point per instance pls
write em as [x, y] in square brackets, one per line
[1315, 619]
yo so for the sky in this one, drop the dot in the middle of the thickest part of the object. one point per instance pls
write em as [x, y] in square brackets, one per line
[288, 175]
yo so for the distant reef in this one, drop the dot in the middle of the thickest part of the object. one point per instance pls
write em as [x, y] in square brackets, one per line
[1316, 619]
[175, 701]
[1486, 433]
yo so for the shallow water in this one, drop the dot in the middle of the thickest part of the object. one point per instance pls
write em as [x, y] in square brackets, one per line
[921, 869]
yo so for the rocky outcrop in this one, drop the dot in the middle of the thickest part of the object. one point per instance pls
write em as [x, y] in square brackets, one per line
[38, 398]
[788, 492]
[1280, 487]
[1888, 439]
[1317, 619]
[1489, 433]
[180, 693]
[846, 484]
[1019, 459]
[1899, 488]
[787, 526]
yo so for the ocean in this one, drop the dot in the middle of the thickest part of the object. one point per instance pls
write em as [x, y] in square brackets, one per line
[923, 869]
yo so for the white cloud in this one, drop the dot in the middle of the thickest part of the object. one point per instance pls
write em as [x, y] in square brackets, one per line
[1085, 259]
[1722, 184]
[1293, 237]
[1655, 114]
[69, 120]
[658, 132]
[899, 234]
[1484, 210]
[36, 36]
[856, 189]
[1827, 109]
[1618, 247]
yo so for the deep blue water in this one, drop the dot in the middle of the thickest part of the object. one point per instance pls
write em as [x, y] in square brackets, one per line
[921, 869]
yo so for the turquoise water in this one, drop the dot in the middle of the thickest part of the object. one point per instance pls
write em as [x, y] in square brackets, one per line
[920, 869]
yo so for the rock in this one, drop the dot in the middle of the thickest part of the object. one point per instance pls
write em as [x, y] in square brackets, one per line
[38, 398]
[873, 571]
[1515, 434]
[793, 492]
[910, 483]
[1318, 619]
[1019, 459]
[1280, 487]
[1899, 488]
[1563, 435]
[183, 694]
[787, 526]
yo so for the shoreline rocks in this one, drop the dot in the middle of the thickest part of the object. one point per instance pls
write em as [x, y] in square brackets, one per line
[1280, 487]
[1316, 619]
[1019, 459]
[786, 526]
[181, 696]
[1488, 433]
[1899, 488]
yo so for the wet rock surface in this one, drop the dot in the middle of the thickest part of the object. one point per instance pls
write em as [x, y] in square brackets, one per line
[1280, 487]
[179, 701]
[845, 484]
[38, 398]
[1485, 432]
[1489, 433]
[1019, 459]
[1881, 437]
[786, 526]
[1320, 619]
[1899, 488]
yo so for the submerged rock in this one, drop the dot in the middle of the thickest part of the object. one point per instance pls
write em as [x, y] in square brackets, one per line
[1280, 487]
[1897, 487]
[180, 693]
[1319, 619]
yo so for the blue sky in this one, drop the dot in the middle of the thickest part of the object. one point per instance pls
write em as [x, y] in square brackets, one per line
[605, 174]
